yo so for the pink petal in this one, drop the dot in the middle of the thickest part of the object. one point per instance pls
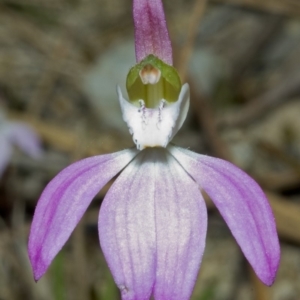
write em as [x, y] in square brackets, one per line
[152, 228]
[151, 32]
[243, 206]
[181, 224]
[24, 137]
[64, 201]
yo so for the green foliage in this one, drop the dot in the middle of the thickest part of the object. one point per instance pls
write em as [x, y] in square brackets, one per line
[58, 283]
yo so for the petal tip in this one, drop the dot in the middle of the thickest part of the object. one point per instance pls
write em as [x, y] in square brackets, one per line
[39, 268]
[38, 264]
[268, 280]
[266, 268]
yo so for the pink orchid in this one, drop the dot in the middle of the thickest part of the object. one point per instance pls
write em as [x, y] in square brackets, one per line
[20, 135]
[153, 220]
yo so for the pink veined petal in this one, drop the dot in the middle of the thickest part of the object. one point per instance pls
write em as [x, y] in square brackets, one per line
[151, 32]
[25, 138]
[181, 224]
[64, 201]
[243, 206]
[152, 228]
[5, 153]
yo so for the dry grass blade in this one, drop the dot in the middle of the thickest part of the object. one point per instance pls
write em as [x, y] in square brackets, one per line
[78, 239]
[279, 180]
[203, 112]
[290, 7]
[36, 3]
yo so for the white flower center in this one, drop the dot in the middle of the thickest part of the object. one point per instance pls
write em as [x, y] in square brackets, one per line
[155, 127]
[157, 103]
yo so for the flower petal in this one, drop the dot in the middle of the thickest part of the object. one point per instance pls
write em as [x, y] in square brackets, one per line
[181, 224]
[242, 204]
[153, 234]
[64, 201]
[151, 32]
[127, 229]
[24, 137]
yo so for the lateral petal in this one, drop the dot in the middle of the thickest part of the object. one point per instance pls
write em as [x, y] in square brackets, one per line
[243, 205]
[64, 201]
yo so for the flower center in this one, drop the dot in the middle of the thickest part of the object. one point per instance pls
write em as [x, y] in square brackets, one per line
[153, 86]
[152, 81]
[149, 74]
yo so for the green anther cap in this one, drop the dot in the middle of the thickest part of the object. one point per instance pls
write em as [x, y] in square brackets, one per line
[152, 80]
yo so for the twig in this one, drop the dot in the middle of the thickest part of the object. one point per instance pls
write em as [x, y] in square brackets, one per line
[261, 292]
[276, 6]
[187, 50]
[287, 217]
[292, 162]
[207, 121]
[278, 180]
[261, 105]
[64, 139]
[202, 109]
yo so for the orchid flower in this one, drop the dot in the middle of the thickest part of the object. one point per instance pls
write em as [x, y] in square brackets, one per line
[19, 134]
[153, 220]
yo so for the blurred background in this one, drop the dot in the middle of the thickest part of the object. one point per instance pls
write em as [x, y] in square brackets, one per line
[60, 61]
